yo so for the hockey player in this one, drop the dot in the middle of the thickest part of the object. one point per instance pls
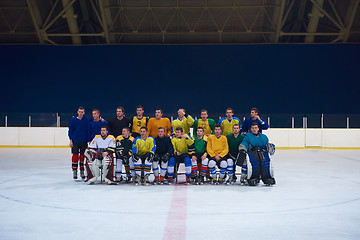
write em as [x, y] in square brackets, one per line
[255, 148]
[123, 153]
[96, 124]
[199, 159]
[254, 117]
[138, 121]
[228, 122]
[164, 150]
[119, 122]
[78, 135]
[217, 149]
[143, 151]
[158, 121]
[207, 124]
[234, 140]
[184, 121]
[180, 142]
[100, 155]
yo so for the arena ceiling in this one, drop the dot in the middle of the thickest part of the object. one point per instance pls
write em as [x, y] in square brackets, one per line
[85, 22]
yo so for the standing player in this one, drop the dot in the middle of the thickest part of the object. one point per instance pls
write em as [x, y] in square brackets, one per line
[184, 121]
[164, 150]
[228, 122]
[124, 144]
[217, 149]
[119, 122]
[254, 117]
[257, 147]
[234, 140]
[142, 153]
[96, 124]
[138, 121]
[158, 121]
[180, 142]
[199, 159]
[207, 124]
[100, 155]
[78, 135]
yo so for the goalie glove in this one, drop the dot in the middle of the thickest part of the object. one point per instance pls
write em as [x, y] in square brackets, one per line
[270, 147]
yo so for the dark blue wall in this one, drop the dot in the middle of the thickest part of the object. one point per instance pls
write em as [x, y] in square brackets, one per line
[275, 78]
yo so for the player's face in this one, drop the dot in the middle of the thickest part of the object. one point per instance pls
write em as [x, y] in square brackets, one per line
[161, 132]
[125, 133]
[236, 129]
[255, 129]
[229, 114]
[200, 132]
[119, 112]
[178, 133]
[181, 113]
[158, 114]
[80, 113]
[139, 112]
[217, 131]
[95, 115]
[253, 113]
[143, 133]
[204, 115]
[104, 132]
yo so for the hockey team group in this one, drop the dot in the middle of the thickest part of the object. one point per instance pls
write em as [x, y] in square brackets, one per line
[101, 148]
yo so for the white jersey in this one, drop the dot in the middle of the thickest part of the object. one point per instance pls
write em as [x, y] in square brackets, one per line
[108, 143]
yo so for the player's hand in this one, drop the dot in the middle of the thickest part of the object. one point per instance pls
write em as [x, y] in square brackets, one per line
[183, 136]
[217, 157]
[71, 144]
[101, 119]
[203, 157]
[193, 158]
[257, 117]
[104, 154]
[178, 153]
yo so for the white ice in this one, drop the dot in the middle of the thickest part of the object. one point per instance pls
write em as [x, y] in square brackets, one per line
[317, 196]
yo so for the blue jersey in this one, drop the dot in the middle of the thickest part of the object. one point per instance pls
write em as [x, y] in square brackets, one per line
[95, 129]
[250, 140]
[79, 128]
[246, 126]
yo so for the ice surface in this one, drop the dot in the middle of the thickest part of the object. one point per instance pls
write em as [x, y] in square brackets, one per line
[317, 196]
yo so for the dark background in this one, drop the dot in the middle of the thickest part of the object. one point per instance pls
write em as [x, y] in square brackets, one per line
[299, 79]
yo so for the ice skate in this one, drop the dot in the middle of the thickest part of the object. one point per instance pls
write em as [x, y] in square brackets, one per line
[170, 180]
[75, 174]
[188, 180]
[146, 180]
[230, 180]
[82, 175]
[156, 180]
[162, 180]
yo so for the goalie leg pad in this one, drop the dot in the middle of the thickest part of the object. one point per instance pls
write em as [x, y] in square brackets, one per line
[108, 169]
[253, 165]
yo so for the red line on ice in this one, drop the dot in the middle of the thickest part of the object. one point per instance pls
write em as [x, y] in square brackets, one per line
[176, 220]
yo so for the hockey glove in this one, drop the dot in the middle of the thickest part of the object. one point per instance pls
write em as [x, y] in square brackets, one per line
[149, 156]
[135, 157]
[166, 157]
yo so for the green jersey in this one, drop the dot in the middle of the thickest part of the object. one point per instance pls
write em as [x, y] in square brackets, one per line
[234, 143]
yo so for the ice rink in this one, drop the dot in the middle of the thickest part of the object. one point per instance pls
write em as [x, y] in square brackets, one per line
[317, 196]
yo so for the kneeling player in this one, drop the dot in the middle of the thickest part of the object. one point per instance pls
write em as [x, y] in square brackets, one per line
[164, 150]
[100, 156]
[123, 152]
[180, 143]
[256, 148]
[142, 153]
[217, 149]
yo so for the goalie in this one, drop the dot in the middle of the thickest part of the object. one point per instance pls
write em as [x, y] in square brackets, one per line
[254, 157]
[99, 155]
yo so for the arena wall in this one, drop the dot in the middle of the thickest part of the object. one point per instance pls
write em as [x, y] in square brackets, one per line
[281, 137]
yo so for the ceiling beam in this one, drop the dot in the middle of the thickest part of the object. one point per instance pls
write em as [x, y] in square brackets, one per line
[72, 23]
[351, 20]
[314, 20]
[36, 18]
